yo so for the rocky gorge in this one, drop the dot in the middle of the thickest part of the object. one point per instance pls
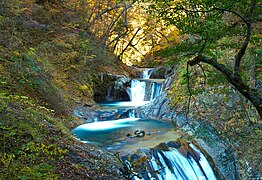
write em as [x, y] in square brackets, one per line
[219, 152]
[104, 90]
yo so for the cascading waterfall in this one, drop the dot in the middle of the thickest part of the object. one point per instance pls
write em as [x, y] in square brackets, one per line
[145, 89]
[131, 114]
[172, 165]
[138, 89]
[155, 90]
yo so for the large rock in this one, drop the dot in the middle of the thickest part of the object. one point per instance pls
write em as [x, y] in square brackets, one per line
[88, 114]
[111, 88]
[85, 114]
[162, 72]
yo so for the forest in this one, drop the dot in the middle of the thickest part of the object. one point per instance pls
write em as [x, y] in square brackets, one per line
[56, 56]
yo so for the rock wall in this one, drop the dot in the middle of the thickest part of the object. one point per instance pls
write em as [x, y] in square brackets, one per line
[223, 157]
[110, 87]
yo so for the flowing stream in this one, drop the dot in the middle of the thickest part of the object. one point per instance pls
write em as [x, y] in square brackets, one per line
[120, 135]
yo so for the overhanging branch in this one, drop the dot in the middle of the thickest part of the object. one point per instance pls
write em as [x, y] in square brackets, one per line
[117, 6]
[247, 21]
[253, 95]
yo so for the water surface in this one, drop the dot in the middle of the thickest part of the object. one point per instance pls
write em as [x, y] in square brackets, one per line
[112, 135]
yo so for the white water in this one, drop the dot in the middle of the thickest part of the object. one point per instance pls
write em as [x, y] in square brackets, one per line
[178, 167]
[155, 90]
[146, 73]
[204, 163]
[132, 114]
[106, 125]
[138, 89]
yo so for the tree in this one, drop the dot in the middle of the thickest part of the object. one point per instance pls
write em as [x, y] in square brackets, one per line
[207, 22]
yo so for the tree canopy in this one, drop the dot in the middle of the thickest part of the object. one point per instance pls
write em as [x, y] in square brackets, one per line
[208, 27]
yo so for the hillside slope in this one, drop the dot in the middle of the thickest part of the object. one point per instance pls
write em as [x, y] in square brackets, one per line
[47, 67]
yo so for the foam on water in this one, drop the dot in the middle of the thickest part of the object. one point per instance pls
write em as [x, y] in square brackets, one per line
[125, 104]
[106, 125]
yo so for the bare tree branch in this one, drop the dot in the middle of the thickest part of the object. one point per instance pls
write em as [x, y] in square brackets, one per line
[118, 37]
[101, 14]
[133, 46]
[129, 43]
[105, 36]
[162, 35]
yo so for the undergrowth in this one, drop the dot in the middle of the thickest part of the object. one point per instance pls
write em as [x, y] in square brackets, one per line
[47, 67]
[28, 143]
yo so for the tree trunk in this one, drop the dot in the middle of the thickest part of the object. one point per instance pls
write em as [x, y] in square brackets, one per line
[253, 95]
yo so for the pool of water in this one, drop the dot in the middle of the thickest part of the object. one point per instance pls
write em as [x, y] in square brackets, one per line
[112, 135]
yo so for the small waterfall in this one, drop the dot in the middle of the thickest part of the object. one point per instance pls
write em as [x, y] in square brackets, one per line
[138, 91]
[144, 90]
[204, 164]
[109, 92]
[172, 165]
[155, 90]
[131, 114]
[146, 73]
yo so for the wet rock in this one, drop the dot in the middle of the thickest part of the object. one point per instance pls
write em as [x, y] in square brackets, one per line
[162, 146]
[162, 72]
[157, 159]
[174, 144]
[85, 113]
[139, 133]
[148, 133]
[108, 87]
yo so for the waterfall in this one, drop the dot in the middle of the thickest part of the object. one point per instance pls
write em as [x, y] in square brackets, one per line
[138, 91]
[172, 165]
[131, 114]
[146, 73]
[161, 163]
[145, 89]
[204, 164]
[155, 90]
